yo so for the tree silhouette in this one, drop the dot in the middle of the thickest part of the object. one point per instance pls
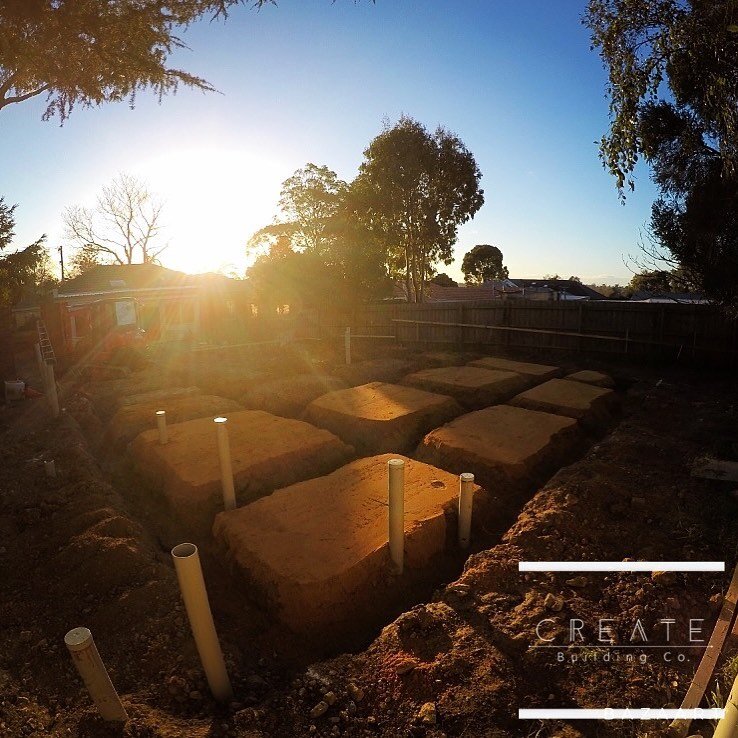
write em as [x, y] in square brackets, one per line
[673, 87]
[89, 53]
[124, 227]
[416, 189]
[483, 263]
[443, 280]
[25, 270]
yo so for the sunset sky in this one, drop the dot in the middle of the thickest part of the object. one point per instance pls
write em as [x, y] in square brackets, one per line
[312, 81]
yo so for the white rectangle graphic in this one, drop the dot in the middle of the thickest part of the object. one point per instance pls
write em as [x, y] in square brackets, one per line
[643, 713]
[621, 566]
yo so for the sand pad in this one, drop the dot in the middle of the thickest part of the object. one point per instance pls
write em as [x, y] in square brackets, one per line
[171, 393]
[289, 397]
[315, 553]
[472, 386]
[590, 405]
[599, 379]
[505, 447]
[540, 371]
[378, 417]
[267, 452]
[131, 420]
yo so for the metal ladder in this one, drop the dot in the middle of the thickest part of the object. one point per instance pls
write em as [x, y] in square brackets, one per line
[47, 350]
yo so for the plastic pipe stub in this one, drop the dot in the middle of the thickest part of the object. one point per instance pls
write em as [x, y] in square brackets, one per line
[184, 550]
[78, 639]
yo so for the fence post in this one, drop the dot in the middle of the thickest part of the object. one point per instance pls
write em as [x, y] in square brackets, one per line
[41, 367]
[460, 319]
[53, 396]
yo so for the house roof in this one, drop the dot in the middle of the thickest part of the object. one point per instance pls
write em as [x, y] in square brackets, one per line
[437, 293]
[114, 277]
[459, 293]
[27, 302]
[118, 279]
[570, 286]
[495, 289]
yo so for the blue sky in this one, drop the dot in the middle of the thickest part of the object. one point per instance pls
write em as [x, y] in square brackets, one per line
[312, 81]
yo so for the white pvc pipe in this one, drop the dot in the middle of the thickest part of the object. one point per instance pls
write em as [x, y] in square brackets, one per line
[161, 422]
[466, 500]
[347, 344]
[226, 468]
[50, 469]
[396, 496]
[728, 725]
[94, 674]
[53, 397]
[195, 596]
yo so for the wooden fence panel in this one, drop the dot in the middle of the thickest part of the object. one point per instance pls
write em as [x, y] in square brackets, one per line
[641, 329]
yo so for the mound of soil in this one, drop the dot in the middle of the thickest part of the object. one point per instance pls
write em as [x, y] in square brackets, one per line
[289, 397]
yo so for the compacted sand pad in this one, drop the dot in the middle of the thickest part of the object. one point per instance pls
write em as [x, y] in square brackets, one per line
[505, 447]
[267, 452]
[541, 372]
[163, 395]
[289, 397]
[588, 404]
[378, 417]
[599, 379]
[131, 420]
[316, 553]
[472, 386]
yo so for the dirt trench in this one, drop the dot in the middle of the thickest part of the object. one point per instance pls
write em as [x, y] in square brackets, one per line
[79, 551]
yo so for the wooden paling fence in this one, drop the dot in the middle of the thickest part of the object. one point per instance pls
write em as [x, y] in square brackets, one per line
[647, 330]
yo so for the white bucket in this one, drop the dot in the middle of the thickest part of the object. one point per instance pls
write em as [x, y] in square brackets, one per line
[14, 390]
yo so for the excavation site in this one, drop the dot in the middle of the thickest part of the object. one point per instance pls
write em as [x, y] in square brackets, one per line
[275, 542]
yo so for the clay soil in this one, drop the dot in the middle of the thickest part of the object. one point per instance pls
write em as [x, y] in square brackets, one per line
[86, 549]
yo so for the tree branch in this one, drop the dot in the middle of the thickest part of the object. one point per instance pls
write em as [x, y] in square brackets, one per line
[5, 101]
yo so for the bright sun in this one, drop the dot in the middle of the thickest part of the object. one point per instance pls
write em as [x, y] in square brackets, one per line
[214, 199]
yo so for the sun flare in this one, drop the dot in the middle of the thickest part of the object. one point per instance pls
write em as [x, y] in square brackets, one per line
[214, 198]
